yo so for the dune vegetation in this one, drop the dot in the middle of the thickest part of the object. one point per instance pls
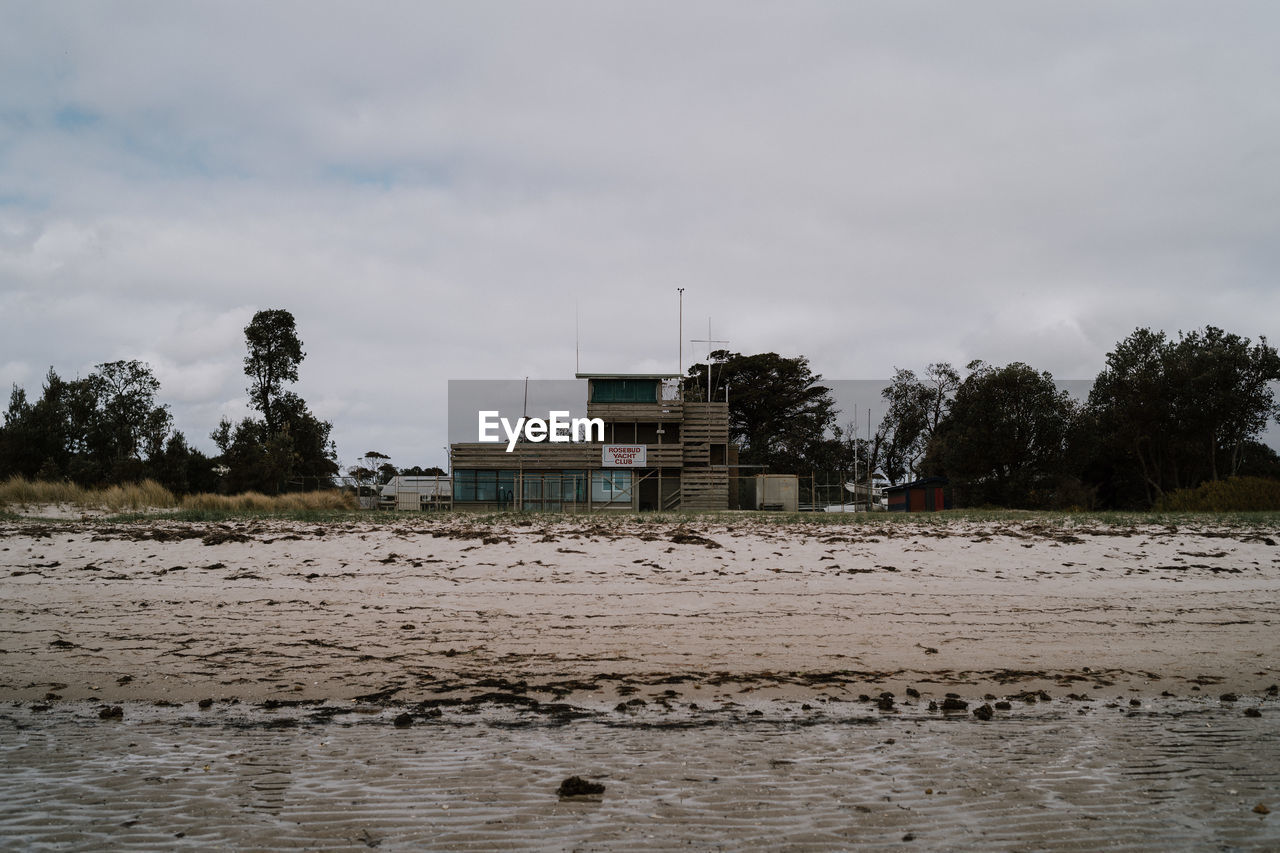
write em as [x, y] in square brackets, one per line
[150, 495]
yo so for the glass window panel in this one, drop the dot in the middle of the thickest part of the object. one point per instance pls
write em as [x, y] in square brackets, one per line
[609, 486]
[624, 390]
[622, 486]
[573, 485]
[486, 485]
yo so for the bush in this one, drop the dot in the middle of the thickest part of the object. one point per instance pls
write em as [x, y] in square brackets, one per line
[1237, 494]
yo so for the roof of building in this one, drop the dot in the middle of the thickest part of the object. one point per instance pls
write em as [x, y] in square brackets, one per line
[927, 481]
[626, 375]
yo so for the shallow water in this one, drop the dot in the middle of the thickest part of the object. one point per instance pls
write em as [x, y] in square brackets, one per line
[1182, 774]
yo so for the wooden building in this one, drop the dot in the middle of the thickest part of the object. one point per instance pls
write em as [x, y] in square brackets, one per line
[657, 454]
[927, 495]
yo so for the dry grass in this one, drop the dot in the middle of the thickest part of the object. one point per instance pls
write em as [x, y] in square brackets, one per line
[144, 495]
[258, 502]
[18, 491]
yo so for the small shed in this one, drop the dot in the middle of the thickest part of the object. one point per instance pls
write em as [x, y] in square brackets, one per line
[778, 492]
[927, 495]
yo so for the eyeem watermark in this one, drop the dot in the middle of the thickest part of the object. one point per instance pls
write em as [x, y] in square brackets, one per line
[558, 428]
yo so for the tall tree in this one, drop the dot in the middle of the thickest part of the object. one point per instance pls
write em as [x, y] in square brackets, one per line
[917, 405]
[106, 428]
[1171, 414]
[290, 446]
[41, 436]
[1006, 438]
[780, 414]
[125, 425]
[371, 471]
[274, 355]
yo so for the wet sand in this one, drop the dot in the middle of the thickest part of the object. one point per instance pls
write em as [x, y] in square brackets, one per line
[1183, 774]
[738, 684]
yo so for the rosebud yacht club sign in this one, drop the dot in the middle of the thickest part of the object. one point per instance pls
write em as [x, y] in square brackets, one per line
[623, 456]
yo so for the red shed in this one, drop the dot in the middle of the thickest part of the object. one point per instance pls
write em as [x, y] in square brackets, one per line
[925, 495]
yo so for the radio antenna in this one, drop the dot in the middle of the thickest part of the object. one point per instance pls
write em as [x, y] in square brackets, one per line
[680, 343]
[709, 341]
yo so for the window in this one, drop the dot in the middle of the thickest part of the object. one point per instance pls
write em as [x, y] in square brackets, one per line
[506, 486]
[472, 485]
[542, 489]
[624, 390]
[611, 486]
[464, 485]
[486, 485]
[573, 485]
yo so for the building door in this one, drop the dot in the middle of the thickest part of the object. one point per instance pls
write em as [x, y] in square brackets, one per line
[648, 491]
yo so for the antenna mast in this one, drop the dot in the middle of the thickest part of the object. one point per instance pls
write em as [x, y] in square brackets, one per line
[680, 341]
[709, 341]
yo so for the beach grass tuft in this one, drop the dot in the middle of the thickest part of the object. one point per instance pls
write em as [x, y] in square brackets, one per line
[148, 496]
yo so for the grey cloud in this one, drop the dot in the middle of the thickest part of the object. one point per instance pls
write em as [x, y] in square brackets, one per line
[431, 188]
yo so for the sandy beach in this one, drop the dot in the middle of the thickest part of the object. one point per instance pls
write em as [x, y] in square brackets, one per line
[579, 610]
[425, 683]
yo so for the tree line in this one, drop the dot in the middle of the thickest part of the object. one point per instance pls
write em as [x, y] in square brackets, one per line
[1164, 414]
[108, 427]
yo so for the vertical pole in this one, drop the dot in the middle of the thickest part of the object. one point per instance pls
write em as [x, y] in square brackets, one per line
[854, 423]
[869, 472]
[661, 428]
[680, 344]
[448, 461]
[708, 359]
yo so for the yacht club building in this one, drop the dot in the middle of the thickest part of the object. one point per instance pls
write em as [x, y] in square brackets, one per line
[658, 452]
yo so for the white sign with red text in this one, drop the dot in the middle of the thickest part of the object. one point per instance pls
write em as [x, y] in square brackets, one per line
[623, 456]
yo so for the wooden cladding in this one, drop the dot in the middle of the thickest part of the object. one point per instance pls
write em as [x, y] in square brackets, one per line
[697, 454]
[553, 457]
[704, 488]
[638, 412]
[705, 422]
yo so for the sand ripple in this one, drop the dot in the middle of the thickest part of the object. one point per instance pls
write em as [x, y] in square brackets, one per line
[1048, 777]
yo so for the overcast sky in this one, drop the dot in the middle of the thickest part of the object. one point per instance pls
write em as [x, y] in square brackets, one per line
[431, 188]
